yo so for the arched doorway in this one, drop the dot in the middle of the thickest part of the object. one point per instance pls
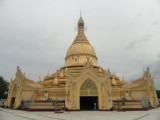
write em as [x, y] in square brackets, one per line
[88, 96]
[13, 97]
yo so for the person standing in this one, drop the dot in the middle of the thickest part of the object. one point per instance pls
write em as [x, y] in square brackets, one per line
[95, 106]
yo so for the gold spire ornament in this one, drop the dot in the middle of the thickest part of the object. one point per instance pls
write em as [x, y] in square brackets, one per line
[66, 69]
[47, 73]
[39, 78]
[56, 80]
[123, 80]
[61, 74]
[114, 81]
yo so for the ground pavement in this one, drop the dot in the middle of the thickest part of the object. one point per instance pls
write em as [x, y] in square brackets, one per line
[8, 114]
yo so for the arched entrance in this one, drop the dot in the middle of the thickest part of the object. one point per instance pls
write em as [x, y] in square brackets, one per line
[13, 97]
[88, 96]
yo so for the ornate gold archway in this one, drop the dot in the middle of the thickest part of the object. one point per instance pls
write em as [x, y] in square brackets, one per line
[88, 88]
[88, 96]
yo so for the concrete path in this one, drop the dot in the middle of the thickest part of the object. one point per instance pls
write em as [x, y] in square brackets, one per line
[8, 114]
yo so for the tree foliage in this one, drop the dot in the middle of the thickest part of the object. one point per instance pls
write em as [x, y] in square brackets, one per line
[3, 88]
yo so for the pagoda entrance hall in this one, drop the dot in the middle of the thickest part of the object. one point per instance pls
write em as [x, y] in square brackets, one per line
[88, 103]
[88, 96]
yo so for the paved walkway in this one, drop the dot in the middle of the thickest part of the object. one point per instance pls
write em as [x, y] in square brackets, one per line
[8, 114]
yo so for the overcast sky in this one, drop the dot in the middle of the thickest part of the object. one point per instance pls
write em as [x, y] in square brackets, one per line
[35, 35]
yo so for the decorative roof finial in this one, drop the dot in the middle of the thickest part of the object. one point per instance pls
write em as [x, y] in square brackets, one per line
[108, 71]
[18, 67]
[123, 80]
[80, 22]
[11, 80]
[56, 80]
[114, 81]
[39, 78]
[66, 69]
[47, 73]
[114, 73]
[80, 13]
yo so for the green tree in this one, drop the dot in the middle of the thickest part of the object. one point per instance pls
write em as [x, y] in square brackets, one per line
[3, 88]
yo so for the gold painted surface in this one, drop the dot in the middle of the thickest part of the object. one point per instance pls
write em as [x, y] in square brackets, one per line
[81, 49]
[88, 89]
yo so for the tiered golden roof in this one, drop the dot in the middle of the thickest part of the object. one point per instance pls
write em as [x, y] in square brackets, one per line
[81, 49]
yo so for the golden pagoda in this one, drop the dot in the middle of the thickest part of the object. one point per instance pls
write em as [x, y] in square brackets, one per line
[80, 85]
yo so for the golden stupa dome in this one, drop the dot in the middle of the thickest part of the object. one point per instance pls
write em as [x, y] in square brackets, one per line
[81, 49]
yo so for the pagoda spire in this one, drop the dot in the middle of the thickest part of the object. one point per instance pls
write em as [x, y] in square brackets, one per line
[80, 49]
[80, 22]
[80, 13]
[81, 38]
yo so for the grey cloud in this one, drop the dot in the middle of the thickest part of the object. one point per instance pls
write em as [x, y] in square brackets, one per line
[140, 61]
[137, 16]
[151, 13]
[155, 71]
[141, 40]
[135, 75]
[158, 56]
[155, 22]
